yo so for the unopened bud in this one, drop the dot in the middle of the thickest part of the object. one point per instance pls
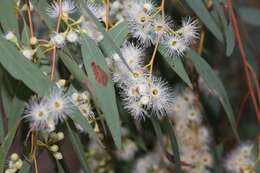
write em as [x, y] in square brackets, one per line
[33, 40]
[54, 148]
[60, 135]
[18, 164]
[14, 157]
[58, 156]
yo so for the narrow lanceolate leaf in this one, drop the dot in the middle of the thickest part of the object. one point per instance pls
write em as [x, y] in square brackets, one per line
[59, 167]
[18, 106]
[78, 148]
[26, 168]
[72, 66]
[6, 145]
[22, 69]
[250, 15]
[177, 65]
[8, 17]
[26, 35]
[174, 144]
[78, 73]
[201, 11]
[100, 78]
[215, 84]
[230, 40]
[40, 8]
[107, 38]
[119, 34]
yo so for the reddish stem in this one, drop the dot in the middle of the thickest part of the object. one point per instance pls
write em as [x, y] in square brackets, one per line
[244, 58]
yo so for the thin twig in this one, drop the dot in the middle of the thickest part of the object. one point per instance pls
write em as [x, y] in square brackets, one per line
[162, 8]
[244, 58]
[107, 14]
[30, 18]
[242, 106]
[54, 53]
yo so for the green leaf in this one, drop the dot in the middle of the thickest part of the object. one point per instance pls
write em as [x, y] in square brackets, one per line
[100, 78]
[78, 73]
[78, 118]
[59, 167]
[78, 148]
[250, 15]
[174, 144]
[18, 106]
[107, 38]
[119, 34]
[177, 65]
[8, 17]
[26, 168]
[22, 69]
[72, 66]
[215, 84]
[220, 11]
[230, 40]
[200, 9]
[6, 145]
[40, 7]
[1, 126]
[26, 35]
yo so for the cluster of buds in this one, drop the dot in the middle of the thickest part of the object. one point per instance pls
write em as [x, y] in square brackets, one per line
[50, 140]
[14, 164]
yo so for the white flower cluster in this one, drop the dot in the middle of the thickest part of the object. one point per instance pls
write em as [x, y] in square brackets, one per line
[14, 164]
[192, 136]
[44, 113]
[83, 102]
[241, 160]
[143, 95]
[149, 27]
[150, 163]
[74, 27]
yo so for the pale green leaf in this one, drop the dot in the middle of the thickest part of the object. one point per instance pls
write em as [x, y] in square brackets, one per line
[78, 148]
[22, 69]
[215, 84]
[40, 7]
[107, 38]
[177, 65]
[230, 40]
[6, 145]
[200, 9]
[250, 15]
[174, 144]
[8, 17]
[119, 34]
[97, 70]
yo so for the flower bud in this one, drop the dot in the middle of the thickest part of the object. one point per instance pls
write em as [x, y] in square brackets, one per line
[54, 148]
[18, 164]
[58, 156]
[54, 136]
[33, 40]
[60, 136]
[14, 157]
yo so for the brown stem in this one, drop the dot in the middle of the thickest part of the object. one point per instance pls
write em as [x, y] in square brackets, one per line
[30, 18]
[54, 53]
[244, 58]
[107, 14]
